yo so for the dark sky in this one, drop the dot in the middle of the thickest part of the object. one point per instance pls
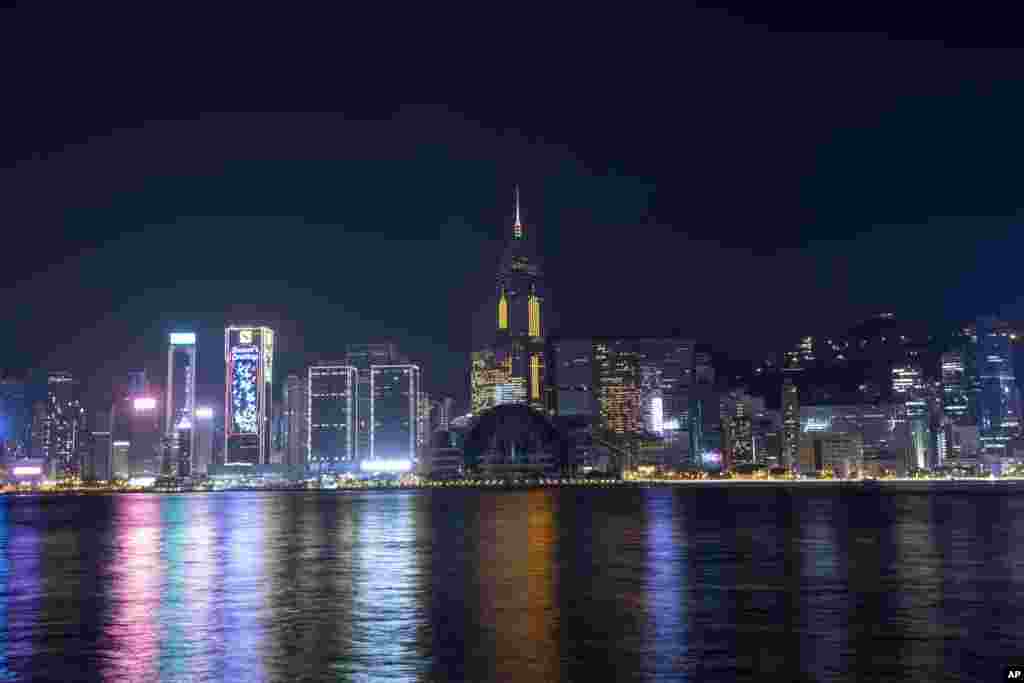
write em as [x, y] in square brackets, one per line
[743, 177]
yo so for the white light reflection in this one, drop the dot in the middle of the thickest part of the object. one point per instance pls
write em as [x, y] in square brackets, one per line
[387, 607]
[666, 589]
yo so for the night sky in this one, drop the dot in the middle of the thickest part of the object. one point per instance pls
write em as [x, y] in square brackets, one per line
[744, 178]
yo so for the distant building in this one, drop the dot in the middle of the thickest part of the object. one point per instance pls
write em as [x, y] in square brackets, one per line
[998, 396]
[331, 416]
[363, 357]
[790, 423]
[99, 466]
[394, 412]
[203, 424]
[249, 355]
[15, 419]
[296, 407]
[840, 455]
[64, 423]
[180, 400]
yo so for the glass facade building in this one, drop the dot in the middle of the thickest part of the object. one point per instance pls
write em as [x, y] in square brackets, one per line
[331, 416]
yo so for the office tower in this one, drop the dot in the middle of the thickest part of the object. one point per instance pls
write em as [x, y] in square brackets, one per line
[138, 437]
[737, 411]
[790, 424]
[119, 463]
[801, 357]
[835, 454]
[331, 416]
[571, 362]
[909, 391]
[395, 393]
[296, 410]
[180, 399]
[998, 396]
[63, 423]
[14, 419]
[203, 426]
[518, 350]
[249, 354]
[99, 462]
[424, 410]
[39, 445]
[444, 414]
[617, 383]
[362, 357]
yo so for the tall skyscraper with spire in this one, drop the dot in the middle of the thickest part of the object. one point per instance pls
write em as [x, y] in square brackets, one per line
[512, 370]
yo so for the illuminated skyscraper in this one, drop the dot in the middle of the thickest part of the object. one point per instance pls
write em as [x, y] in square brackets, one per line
[64, 422]
[790, 424]
[395, 392]
[332, 417]
[180, 401]
[618, 387]
[249, 354]
[361, 357]
[998, 396]
[519, 344]
[909, 391]
[296, 407]
[14, 419]
[203, 426]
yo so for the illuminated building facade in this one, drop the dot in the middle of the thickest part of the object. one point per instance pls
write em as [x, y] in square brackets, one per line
[64, 423]
[203, 426]
[14, 419]
[618, 387]
[514, 369]
[362, 357]
[296, 408]
[249, 355]
[394, 412]
[998, 396]
[99, 464]
[331, 416]
[909, 391]
[180, 399]
[956, 387]
[790, 424]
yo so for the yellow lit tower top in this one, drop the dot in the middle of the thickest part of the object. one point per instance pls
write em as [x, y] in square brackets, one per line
[520, 282]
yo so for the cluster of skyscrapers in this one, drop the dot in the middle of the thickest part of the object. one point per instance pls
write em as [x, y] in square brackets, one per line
[882, 395]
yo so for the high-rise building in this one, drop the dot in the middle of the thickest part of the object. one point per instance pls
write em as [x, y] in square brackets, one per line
[296, 411]
[956, 393]
[910, 391]
[203, 425]
[790, 424]
[14, 419]
[395, 391]
[180, 400]
[998, 395]
[138, 438]
[63, 426]
[513, 369]
[249, 354]
[99, 465]
[362, 357]
[331, 416]
[424, 410]
[618, 386]
[444, 414]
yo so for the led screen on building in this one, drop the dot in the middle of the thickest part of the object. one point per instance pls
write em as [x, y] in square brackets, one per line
[244, 388]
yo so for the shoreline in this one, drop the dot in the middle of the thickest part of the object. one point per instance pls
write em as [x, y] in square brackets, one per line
[996, 486]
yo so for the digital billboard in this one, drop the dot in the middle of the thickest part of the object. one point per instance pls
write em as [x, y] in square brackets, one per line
[244, 366]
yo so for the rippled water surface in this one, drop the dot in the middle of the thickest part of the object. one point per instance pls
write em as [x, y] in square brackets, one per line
[542, 585]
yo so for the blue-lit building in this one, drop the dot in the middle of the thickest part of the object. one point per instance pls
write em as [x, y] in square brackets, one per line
[14, 418]
[998, 398]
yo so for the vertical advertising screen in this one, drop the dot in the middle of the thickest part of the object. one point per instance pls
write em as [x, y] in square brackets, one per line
[244, 389]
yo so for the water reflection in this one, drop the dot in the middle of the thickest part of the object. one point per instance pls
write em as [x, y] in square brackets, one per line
[388, 581]
[667, 584]
[131, 630]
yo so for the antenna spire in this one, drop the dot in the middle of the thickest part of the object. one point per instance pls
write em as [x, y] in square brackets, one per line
[517, 227]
